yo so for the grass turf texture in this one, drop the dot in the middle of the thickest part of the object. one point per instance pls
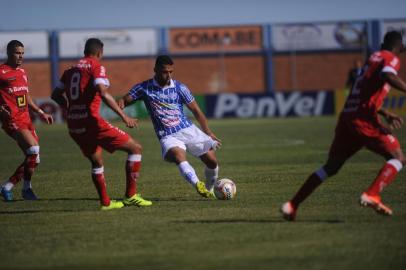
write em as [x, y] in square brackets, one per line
[267, 158]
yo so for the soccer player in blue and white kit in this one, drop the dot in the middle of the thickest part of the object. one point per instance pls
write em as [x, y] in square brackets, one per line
[164, 98]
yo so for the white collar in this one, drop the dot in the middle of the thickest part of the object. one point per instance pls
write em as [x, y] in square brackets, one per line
[171, 85]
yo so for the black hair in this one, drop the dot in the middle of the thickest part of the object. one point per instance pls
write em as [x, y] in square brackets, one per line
[162, 60]
[12, 45]
[391, 39]
[93, 46]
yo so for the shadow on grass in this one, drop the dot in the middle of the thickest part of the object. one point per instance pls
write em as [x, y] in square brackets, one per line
[239, 220]
[68, 199]
[19, 212]
[178, 199]
[53, 200]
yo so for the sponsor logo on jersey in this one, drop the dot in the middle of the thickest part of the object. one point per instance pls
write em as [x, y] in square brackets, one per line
[21, 101]
[17, 89]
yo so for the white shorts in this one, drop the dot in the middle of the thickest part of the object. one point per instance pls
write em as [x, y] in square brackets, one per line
[191, 139]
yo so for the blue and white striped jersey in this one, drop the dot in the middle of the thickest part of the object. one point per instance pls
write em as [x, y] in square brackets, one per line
[165, 105]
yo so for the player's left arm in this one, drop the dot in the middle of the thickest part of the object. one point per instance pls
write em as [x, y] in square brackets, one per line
[201, 118]
[394, 80]
[44, 116]
[394, 121]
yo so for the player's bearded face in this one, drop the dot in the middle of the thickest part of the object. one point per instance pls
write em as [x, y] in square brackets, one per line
[16, 57]
[164, 75]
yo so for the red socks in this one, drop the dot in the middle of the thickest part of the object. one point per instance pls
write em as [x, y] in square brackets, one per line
[385, 176]
[30, 164]
[100, 184]
[132, 170]
[18, 174]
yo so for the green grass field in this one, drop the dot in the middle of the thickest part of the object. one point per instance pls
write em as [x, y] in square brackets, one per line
[268, 159]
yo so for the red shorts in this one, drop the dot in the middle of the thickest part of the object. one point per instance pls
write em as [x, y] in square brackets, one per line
[93, 141]
[353, 134]
[10, 127]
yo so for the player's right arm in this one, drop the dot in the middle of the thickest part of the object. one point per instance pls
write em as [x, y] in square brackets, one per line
[131, 97]
[125, 101]
[111, 103]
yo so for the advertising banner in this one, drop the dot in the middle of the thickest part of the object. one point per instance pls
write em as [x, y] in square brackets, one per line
[280, 104]
[398, 25]
[301, 37]
[124, 42]
[226, 39]
[283, 104]
[35, 43]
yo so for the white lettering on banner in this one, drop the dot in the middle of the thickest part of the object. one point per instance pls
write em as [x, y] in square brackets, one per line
[120, 42]
[280, 104]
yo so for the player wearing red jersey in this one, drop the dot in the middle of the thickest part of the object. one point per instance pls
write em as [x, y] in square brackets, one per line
[359, 126]
[80, 91]
[15, 102]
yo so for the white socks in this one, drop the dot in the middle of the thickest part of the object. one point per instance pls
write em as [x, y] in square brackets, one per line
[211, 177]
[188, 173]
[8, 186]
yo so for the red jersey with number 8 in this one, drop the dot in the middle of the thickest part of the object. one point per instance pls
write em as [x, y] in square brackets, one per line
[84, 100]
[13, 95]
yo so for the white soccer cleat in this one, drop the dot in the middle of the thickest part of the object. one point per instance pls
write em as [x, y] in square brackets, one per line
[375, 203]
[288, 211]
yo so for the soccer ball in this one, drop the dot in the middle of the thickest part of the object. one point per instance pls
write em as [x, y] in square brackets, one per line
[225, 189]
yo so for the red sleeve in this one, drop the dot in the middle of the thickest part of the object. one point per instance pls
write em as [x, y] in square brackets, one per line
[391, 64]
[99, 75]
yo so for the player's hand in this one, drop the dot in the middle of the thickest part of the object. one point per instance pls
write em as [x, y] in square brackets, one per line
[217, 140]
[4, 111]
[394, 121]
[47, 118]
[121, 103]
[130, 122]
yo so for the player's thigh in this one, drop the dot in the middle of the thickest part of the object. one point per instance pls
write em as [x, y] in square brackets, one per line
[25, 138]
[197, 142]
[171, 147]
[87, 143]
[114, 139]
[175, 155]
[385, 145]
[344, 145]
[131, 146]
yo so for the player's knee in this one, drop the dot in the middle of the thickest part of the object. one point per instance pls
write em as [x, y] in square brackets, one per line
[32, 154]
[134, 157]
[32, 150]
[397, 163]
[137, 149]
[133, 147]
[211, 163]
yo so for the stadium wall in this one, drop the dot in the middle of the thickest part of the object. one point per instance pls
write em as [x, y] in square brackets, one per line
[241, 60]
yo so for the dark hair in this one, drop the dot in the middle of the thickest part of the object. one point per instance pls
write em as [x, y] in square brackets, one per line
[12, 45]
[162, 60]
[391, 39]
[93, 46]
